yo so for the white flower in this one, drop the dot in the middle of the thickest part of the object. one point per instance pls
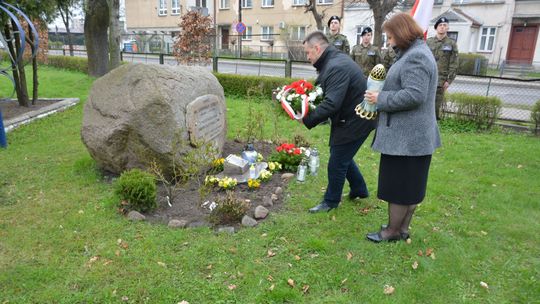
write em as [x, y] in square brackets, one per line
[290, 97]
[312, 96]
[318, 90]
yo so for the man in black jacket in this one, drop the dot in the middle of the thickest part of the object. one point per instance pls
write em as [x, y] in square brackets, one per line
[343, 85]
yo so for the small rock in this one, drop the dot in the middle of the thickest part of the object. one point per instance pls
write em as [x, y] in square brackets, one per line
[248, 221]
[286, 176]
[278, 190]
[177, 223]
[261, 212]
[227, 229]
[267, 201]
[135, 216]
[274, 197]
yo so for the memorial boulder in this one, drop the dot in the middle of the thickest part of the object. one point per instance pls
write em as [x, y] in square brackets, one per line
[141, 113]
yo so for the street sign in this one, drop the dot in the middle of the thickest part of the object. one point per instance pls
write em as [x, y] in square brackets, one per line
[240, 27]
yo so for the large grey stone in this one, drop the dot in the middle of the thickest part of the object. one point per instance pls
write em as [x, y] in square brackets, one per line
[140, 113]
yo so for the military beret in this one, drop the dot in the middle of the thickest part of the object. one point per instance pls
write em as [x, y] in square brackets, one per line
[366, 30]
[440, 20]
[333, 18]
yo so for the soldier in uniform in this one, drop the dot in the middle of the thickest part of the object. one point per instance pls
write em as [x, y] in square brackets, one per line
[365, 54]
[387, 57]
[335, 38]
[445, 51]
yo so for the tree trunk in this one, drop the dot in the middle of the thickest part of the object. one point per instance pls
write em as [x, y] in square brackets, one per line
[312, 7]
[96, 24]
[380, 9]
[64, 13]
[114, 34]
[19, 76]
[35, 81]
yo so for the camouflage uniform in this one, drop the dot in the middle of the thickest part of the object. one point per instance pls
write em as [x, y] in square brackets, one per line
[387, 57]
[366, 57]
[445, 52]
[340, 42]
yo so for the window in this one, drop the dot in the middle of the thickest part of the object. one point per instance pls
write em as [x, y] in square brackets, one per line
[267, 3]
[452, 35]
[200, 3]
[438, 2]
[246, 35]
[247, 3]
[223, 4]
[267, 33]
[299, 2]
[325, 1]
[175, 7]
[487, 39]
[298, 33]
[162, 11]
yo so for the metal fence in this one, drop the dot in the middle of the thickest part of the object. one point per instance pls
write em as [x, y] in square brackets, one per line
[517, 95]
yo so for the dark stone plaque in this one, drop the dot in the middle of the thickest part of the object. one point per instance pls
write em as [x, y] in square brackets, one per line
[205, 119]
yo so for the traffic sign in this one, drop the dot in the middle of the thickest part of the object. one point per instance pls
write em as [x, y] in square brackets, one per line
[240, 27]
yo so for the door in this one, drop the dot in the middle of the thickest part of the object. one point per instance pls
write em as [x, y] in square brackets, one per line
[224, 38]
[522, 43]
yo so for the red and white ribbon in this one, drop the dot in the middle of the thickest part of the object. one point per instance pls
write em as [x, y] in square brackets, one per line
[287, 106]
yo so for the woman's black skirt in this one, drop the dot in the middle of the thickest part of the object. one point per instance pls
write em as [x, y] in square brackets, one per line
[403, 179]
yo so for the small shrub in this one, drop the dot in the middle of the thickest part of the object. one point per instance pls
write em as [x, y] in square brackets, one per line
[229, 210]
[138, 189]
[242, 85]
[481, 110]
[535, 117]
[467, 63]
[457, 126]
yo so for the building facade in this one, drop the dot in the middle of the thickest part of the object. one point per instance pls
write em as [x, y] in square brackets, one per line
[271, 28]
[503, 31]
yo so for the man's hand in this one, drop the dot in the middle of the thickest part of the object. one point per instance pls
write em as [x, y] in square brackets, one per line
[445, 85]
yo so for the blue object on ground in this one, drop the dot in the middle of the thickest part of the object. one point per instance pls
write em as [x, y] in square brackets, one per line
[3, 141]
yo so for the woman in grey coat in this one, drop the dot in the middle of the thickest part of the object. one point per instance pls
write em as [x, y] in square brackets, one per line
[407, 132]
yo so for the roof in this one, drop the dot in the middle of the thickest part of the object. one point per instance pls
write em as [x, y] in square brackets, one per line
[457, 15]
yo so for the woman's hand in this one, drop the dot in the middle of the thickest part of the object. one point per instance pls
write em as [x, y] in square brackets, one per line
[371, 97]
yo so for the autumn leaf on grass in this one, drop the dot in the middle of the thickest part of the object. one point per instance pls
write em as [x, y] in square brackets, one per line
[415, 265]
[420, 253]
[297, 257]
[232, 287]
[183, 302]
[271, 287]
[343, 281]
[484, 285]
[209, 267]
[162, 264]
[429, 251]
[92, 260]
[107, 262]
[349, 256]
[270, 278]
[290, 282]
[388, 289]
[305, 289]
[270, 253]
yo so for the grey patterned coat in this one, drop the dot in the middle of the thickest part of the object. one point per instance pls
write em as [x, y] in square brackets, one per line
[406, 104]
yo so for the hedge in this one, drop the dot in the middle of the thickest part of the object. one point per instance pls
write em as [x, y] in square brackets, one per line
[481, 110]
[467, 64]
[535, 117]
[78, 64]
[242, 85]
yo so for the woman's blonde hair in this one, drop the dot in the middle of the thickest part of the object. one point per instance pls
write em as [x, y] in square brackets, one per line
[403, 29]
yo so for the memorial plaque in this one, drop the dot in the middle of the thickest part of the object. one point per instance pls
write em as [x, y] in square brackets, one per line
[205, 119]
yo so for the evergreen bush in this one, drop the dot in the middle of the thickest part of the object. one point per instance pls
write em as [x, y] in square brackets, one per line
[138, 189]
[482, 110]
[77, 64]
[535, 117]
[243, 85]
[467, 63]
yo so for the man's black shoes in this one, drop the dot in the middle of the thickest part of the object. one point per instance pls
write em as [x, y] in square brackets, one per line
[322, 207]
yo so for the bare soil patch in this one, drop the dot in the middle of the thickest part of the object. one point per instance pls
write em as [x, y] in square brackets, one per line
[187, 203]
[11, 108]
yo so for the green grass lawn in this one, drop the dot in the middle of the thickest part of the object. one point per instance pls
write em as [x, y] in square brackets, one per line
[61, 240]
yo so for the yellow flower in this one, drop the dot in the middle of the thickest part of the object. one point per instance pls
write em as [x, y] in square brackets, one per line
[253, 184]
[274, 166]
[259, 157]
[265, 175]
